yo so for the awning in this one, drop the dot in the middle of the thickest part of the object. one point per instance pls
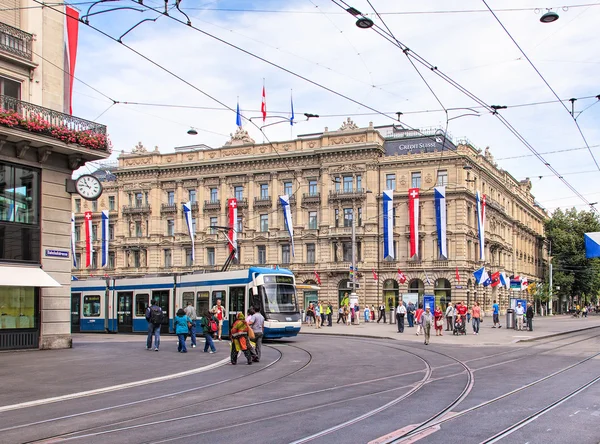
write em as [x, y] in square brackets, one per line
[23, 276]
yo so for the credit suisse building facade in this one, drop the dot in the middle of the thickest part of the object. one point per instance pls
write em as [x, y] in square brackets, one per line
[331, 177]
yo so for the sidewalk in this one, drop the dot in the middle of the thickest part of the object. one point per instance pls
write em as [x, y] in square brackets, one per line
[542, 327]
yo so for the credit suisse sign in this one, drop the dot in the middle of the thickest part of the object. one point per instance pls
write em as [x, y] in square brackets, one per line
[417, 145]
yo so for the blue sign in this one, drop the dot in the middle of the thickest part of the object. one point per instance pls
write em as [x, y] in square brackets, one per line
[429, 301]
[57, 253]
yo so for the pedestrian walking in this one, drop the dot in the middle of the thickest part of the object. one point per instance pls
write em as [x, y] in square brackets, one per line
[476, 311]
[239, 339]
[449, 315]
[496, 315]
[584, 311]
[182, 327]
[519, 316]
[341, 316]
[310, 314]
[438, 315]
[322, 311]
[347, 314]
[329, 313]
[400, 313]
[154, 316]
[190, 311]
[529, 316]
[410, 314]
[257, 322]
[418, 314]
[373, 313]
[207, 323]
[381, 313]
[367, 313]
[220, 313]
[317, 309]
[426, 321]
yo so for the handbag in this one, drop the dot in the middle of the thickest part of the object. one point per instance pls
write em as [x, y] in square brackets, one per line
[251, 334]
[439, 323]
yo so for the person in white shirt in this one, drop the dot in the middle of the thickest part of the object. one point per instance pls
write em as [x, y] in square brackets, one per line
[519, 316]
[400, 313]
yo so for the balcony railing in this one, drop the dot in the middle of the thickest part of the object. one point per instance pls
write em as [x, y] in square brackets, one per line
[347, 194]
[311, 198]
[242, 203]
[15, 41]
[263, 202]
[127, 209]
[441, 264]
[210, 205]
[168, 208]
[15, 113]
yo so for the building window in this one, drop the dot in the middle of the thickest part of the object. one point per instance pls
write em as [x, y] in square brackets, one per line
[168, 258]
[415, 180]
[210, 256]
[337, 217]
[193, 225]
[394, 219]
[214, 195]
[238, 192]
[261, 251]
[347, 251]
[442, 178]
[170, 227]
[312, 188]
[338, 182]
[146, 201]
[94, 205]
[347, 217]
[170, 197]
[358, 183]
[390, 181]
[136, 259]
[9, 87]
[138, 228]
[359, 218]
[94, 258]
[188, 257]
[78, 205]
[214, 221]
[94, 233]
[19, 307]
[111, 260]
[139, 200]
[348, 183]
[469, 216]
[285, 253]
[239, 225]
[287, 188]
[264, 223]
[111, 203]
[19, 194]
[310, 253]
[111, 232]
[264, 191]
[312, 220]
[77, 259]
[192, 196]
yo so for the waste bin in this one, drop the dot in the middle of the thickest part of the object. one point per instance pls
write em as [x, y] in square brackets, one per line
[510, 318]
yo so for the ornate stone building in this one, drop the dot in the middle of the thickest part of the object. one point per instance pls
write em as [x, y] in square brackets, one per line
[331, 177]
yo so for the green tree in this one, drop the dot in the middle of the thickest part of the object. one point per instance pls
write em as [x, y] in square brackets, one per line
[576, 275]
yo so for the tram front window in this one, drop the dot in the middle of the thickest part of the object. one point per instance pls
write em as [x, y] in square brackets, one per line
[279, 298]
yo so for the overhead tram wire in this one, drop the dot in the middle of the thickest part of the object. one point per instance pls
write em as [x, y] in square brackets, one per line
[545, 81]
[492, 109]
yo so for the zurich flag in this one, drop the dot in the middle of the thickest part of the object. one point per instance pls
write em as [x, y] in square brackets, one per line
[388, 224]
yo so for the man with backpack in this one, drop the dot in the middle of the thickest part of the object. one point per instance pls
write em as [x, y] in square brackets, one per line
[154, 316]
[209, 328]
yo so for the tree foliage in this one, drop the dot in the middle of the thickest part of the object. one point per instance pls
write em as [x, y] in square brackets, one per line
[576, 275]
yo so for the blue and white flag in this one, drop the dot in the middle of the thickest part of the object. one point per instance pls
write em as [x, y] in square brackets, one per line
[388, 224]
[105, 236]
[238, 119]
[187, 214]
[287, 216]
[73, 240]
[481, 225]
[488, 281]
[440, 217]
[504, 281]
[481, 276]
[592, 244]
[292, 103]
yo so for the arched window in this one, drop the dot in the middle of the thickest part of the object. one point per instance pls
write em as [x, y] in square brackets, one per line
[442, 290]
[344, 292]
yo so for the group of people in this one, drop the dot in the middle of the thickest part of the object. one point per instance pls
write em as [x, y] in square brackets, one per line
[319, 313]
[524, 314]
[423, 318]
[459, 315]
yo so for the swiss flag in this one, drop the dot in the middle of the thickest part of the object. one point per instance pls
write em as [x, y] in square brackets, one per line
[495, 279]
[374, 275]
[317, 277]
[401, 277]
[457, 276]
[263, 105]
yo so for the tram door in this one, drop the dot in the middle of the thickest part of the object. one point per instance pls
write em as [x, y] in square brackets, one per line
[162, 298]
[237, 296]
[75, 312]
[124, 314]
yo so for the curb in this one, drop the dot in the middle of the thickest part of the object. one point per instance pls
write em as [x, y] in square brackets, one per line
[349, 335]
[556, 334]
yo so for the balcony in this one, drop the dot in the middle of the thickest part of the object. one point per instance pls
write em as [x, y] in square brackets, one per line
[441, 264]
[311, 198]
[137, 209]
[242, 203]
[36, 119]
[262, 202]
[292, 200]
[15, 42]
[168, 208]
[212, 205]
[343, 195]
[414, 264]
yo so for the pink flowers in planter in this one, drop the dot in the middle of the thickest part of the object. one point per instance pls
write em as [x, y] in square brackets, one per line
[36, 124]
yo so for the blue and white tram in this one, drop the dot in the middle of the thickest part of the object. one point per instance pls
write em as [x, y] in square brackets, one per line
[119, 305]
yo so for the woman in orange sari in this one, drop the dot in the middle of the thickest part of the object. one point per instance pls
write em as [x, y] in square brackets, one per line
[239, 339]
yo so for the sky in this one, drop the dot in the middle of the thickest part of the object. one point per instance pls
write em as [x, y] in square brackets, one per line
[319, 41]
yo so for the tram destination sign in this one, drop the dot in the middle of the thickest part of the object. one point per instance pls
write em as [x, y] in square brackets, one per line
[426, 144]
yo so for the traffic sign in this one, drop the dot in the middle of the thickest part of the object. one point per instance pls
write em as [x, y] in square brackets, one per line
[349, 285]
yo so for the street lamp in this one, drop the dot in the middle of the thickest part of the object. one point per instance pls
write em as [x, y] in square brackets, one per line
[549, 17]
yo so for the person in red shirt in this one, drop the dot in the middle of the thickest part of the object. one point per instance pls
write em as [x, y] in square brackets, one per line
[418, 314]
[462, 309]
[219, 312]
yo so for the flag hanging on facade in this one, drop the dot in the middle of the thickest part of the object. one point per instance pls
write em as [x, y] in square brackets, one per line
[232, 234]
[87, 220]
[481, 275]
[524, 283]
[105, 236]
[413, 214]
[515, 282]
[287, 216]
[457, 276]
[388, 224]
[263, 105]
[238, 118]
[495, 279]
[427, 277]
[70, 55]
[375, 277]
[317, 277]
[488, 281]
[187, 215]
[504, 281]
[440, 217]
[401, 277]
[73, 240]
[292, 103]
[481, 225]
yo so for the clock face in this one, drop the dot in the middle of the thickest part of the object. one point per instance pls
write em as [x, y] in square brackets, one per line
[88, 187]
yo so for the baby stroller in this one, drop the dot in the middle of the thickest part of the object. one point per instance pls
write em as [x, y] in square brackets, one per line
[459, 326]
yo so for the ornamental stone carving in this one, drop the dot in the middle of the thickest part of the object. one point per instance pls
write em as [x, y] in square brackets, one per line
[428, 178]
[139, 149]
[237, 152]
[240, 137]
[348, 125]
[402, 180]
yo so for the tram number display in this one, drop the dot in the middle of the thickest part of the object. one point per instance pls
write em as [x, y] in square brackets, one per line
[279, 279]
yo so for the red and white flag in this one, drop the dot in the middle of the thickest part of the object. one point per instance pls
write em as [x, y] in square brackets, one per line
[263, 105]
[375, 277]
[87, 222]
[232, 234]
[457, 276]
[413, 214]
[401, 277]
[317, 278]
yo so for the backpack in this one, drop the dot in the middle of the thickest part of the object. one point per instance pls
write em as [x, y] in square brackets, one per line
[156, 315]
[212, 326]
